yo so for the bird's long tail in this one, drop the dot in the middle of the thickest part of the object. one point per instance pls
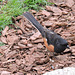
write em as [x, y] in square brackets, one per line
[34, 22]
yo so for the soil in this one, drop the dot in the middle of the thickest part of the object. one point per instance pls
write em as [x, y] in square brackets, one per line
[24, 52]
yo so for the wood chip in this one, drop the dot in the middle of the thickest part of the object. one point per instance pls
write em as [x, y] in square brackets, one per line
[69, 3]
[4, 32]
[44, 12]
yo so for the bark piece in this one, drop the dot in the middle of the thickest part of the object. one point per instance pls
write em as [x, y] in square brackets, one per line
[56, 10]
[4, 32]
[35, 36]
[69, 3]
[44, 12]
[3, 39]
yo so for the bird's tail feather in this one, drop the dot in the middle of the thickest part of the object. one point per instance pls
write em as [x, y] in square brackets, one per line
[34, 22]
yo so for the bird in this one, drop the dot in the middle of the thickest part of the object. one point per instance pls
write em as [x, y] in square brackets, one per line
[53, 42]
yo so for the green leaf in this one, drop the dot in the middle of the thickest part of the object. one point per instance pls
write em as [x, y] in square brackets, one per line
[17, 7]
[2, 44]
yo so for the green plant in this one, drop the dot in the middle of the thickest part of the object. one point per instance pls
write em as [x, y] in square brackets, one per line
[0, 0]
[1, 44]
[12, 8]
[36, 4]
[17, 7]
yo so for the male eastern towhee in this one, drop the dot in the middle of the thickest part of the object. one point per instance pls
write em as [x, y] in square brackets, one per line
[52, 41]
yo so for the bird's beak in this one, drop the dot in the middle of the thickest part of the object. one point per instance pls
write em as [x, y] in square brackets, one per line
[68, 47]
